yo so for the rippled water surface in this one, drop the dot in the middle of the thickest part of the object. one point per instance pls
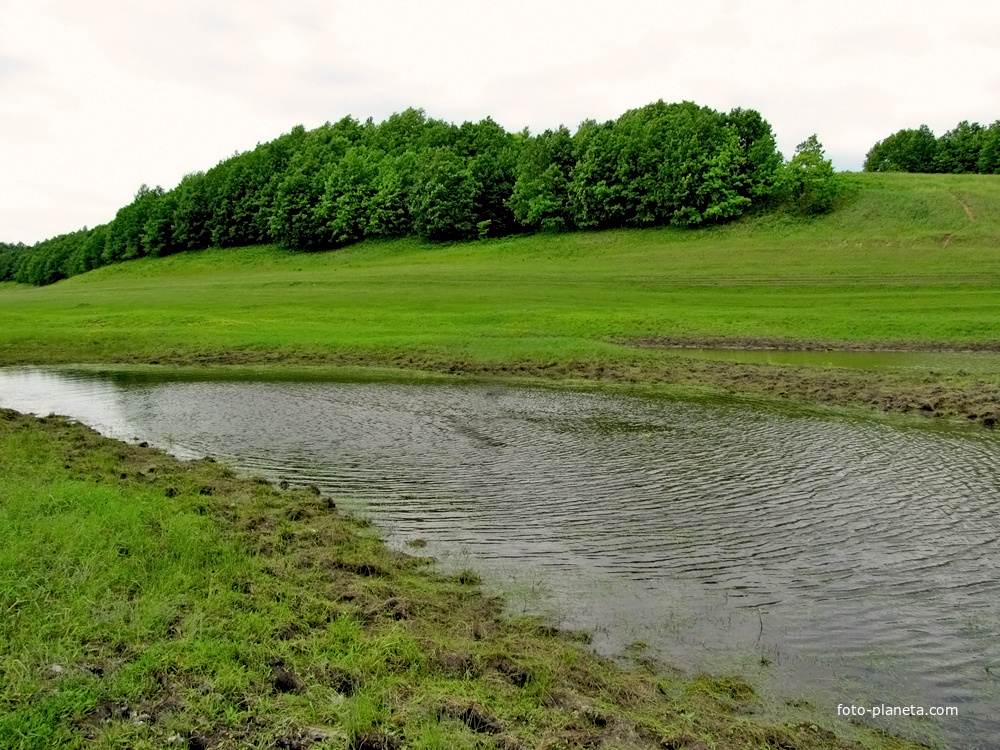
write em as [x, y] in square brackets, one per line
[841, 561]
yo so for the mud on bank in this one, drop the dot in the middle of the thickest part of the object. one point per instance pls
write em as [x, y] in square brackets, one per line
[770, 343]
[292, 626]
[958, 396]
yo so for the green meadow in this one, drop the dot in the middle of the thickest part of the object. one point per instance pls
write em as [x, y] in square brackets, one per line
[902, 261]
[906, 261]
[147, 603]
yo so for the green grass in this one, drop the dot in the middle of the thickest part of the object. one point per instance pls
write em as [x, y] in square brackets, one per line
[147, 603]
[150, 603]
[899, 263]
[878, 269]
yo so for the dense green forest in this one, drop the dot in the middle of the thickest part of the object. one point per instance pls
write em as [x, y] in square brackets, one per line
[662, 164]
[965, 149]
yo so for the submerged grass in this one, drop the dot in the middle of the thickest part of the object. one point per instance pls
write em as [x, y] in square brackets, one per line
[148, 603]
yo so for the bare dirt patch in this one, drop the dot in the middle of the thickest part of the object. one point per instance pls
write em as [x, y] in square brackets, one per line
[766, 343]
[965, 205]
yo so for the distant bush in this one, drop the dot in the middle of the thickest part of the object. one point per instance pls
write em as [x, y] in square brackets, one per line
[969, 148]
[808, 183]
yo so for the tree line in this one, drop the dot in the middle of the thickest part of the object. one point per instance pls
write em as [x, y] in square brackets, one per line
[663, 164]
[968, 148]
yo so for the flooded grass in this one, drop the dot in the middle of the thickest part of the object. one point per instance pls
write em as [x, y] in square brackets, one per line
[150, 603]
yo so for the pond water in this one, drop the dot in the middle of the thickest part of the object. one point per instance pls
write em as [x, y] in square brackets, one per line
[840, 561]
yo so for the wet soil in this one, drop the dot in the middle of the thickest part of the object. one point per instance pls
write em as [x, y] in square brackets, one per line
[959, 396]
[773, 343]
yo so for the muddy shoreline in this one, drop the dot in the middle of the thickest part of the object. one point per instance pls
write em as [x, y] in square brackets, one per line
[312, 633]
[758, 343]
[958, 396]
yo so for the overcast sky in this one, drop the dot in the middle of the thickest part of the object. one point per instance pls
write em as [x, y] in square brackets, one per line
[97, 98]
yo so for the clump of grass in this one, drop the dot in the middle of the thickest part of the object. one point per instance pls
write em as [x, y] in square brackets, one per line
[150, 603]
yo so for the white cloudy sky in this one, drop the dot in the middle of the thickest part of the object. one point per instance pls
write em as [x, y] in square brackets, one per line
[97, 98]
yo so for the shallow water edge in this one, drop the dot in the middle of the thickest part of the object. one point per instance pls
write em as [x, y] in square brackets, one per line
[837, 556]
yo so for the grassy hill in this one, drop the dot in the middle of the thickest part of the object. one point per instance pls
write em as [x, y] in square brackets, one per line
[106, 645]
[907, 260]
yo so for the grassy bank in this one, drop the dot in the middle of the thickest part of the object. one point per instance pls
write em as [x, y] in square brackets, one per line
[151, 603]
[909, 261]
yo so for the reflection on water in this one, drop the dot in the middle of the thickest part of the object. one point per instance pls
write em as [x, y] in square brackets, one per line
[842, 561]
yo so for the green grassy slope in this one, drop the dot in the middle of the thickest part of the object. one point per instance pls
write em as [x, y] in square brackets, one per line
[907, 258]
[902, 261]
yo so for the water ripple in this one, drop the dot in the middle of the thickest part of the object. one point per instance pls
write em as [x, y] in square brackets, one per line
[729, 529]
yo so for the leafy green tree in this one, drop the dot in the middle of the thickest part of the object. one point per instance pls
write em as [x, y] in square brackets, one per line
[348, 195]
[47, 261]
[491, 155]
[989, 153]
[88, 254]
[125, 233]
[959, 149]
[244, 189]
[760, 165]
[809, 182]
[158, 231]
[597, 195]
[442, 198]
[194, 210]
[389, 207]
[400, 132]
[725, 188]
[296, 219]
[295, 222]
[681, 161]
[685, 165]
[235, 203]
[540, 196]
[9, 256]
[967, 148]
[677, 164]
[904, 151]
